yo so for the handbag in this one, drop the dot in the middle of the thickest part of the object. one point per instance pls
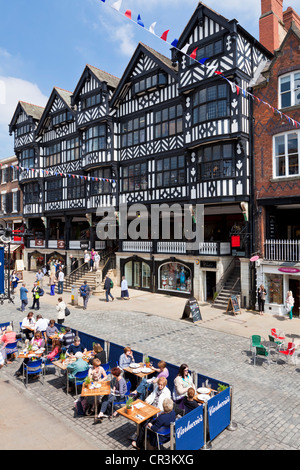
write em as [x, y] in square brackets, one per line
[67, 312]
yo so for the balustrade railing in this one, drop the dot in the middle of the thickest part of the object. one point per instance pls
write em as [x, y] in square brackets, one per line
[282, 250]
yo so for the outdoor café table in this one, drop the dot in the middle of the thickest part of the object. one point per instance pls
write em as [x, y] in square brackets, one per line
[141, 412]
[138, 370]
[269, 345]
[96, 391]
[63, 365]
[30, 355]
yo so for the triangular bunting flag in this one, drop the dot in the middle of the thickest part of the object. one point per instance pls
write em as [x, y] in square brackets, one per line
[117, 5]
[151, 28]
[174, 43]
[139, 21]
[128, 14]
[194, 53]
[165, 35]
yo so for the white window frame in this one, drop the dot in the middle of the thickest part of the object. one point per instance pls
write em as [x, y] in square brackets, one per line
[14, 200]
[293, 89]
[286, 155]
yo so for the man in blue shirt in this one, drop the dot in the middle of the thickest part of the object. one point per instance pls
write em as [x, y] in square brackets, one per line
[23, 297]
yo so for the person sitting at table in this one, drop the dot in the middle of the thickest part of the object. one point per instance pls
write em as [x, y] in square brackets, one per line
[68, 338]
[56, 349]
[165, 419]
[41, 325]
[182, 383]
[38, 340]
[80, 365]
[156, 398]
[146, 384]
[7, 338]
[75, 347]
[124, 361]
[97, 373]
[51, 330]
[98, 353]
[118, 389]
[28, 325]
[189, 403]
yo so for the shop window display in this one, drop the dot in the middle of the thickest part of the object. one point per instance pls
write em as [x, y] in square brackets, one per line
[274, 289]
[175, 277]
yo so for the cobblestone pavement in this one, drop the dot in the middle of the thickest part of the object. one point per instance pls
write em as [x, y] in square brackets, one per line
[266, 399]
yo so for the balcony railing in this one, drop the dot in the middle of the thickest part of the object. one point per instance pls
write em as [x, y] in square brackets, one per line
[176, 247]
[282, 250]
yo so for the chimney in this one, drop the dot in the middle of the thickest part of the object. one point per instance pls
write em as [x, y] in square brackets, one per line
[271, 27]
[290, 16]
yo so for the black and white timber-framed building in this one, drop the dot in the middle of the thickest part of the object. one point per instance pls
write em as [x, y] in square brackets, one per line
[169, 131]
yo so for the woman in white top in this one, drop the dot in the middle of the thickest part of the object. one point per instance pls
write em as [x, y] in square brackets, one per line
[60, 307]
[290, 303]
[124, 289]
[182, 383]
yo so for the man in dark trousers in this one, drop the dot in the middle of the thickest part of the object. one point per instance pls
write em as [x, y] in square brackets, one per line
[108, 284]
[85, 292]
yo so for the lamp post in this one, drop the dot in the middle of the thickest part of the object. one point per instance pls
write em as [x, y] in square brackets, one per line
[5, 238]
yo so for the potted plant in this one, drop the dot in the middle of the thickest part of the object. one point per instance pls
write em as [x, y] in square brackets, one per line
[128, 405]
[87, 382]
[147, 361]
[62, 357]
[221, 387]
[62, 330]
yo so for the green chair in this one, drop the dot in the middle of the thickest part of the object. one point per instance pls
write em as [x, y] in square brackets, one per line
[262, 352]
[273, 340]
[255, 341]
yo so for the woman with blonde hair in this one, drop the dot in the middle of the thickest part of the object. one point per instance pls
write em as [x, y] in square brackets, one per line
[289, 301]
[261, 297]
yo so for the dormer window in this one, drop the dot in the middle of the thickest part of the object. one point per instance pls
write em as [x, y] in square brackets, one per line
[147, 84]
[61, 118]
[289, 90]
[90, 101]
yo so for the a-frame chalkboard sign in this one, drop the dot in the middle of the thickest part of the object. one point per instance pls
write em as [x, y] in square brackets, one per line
[192, 307]
[233, 305]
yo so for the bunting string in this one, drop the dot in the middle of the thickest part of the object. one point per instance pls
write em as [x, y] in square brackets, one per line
[56, 173]
[234, 87]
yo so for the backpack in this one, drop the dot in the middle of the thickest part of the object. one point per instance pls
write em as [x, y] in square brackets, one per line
[81, 406]
[83, 291]
[41, 292]
[67, 312]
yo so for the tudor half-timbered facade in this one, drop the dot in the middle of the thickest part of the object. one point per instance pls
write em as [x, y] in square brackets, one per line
[171, 130]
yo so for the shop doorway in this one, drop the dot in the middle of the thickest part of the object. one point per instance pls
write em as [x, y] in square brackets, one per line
[294, 286]
[210, 284]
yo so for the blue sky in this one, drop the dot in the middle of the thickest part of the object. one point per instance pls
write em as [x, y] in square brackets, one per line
[48, 43]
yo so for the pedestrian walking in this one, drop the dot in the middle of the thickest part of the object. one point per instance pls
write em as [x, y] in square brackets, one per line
[36, 293]
[92, 261]
[61, 311]
[39, 278]
[23, 297]
[289, 303]
[124, 289]
[97, 261]
[60, 279]
[52, 282]
[86, 257]
[108, 284]
[85, 291]
[14, 282]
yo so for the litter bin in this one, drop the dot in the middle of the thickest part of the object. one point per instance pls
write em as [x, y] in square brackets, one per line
[74, 295]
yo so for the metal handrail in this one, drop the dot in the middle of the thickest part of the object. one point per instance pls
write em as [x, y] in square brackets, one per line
[76, 274]
[223, 279]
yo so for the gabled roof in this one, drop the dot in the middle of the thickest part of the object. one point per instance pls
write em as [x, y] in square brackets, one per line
[31, 110]
[160, 59]
[230, 25]
[99, 75]
[56, 92]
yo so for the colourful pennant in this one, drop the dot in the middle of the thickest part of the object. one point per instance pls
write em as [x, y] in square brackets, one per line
[117, 5]
[165, 35]
[128, 14]
[139, 21]
[151, 28]
[194, 53]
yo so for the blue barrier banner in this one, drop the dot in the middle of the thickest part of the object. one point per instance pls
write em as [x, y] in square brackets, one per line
[88, 340]
[218, 413]
[2, 286]
[4, 325]
[189, 430]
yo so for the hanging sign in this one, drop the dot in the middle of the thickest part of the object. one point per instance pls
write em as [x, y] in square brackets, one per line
[289, 270]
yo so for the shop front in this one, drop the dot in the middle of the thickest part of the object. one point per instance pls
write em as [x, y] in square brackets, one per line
[170, 276]
[278, 280]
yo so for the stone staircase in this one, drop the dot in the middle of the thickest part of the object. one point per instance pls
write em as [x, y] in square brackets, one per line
[94, 280]
[232, 286]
